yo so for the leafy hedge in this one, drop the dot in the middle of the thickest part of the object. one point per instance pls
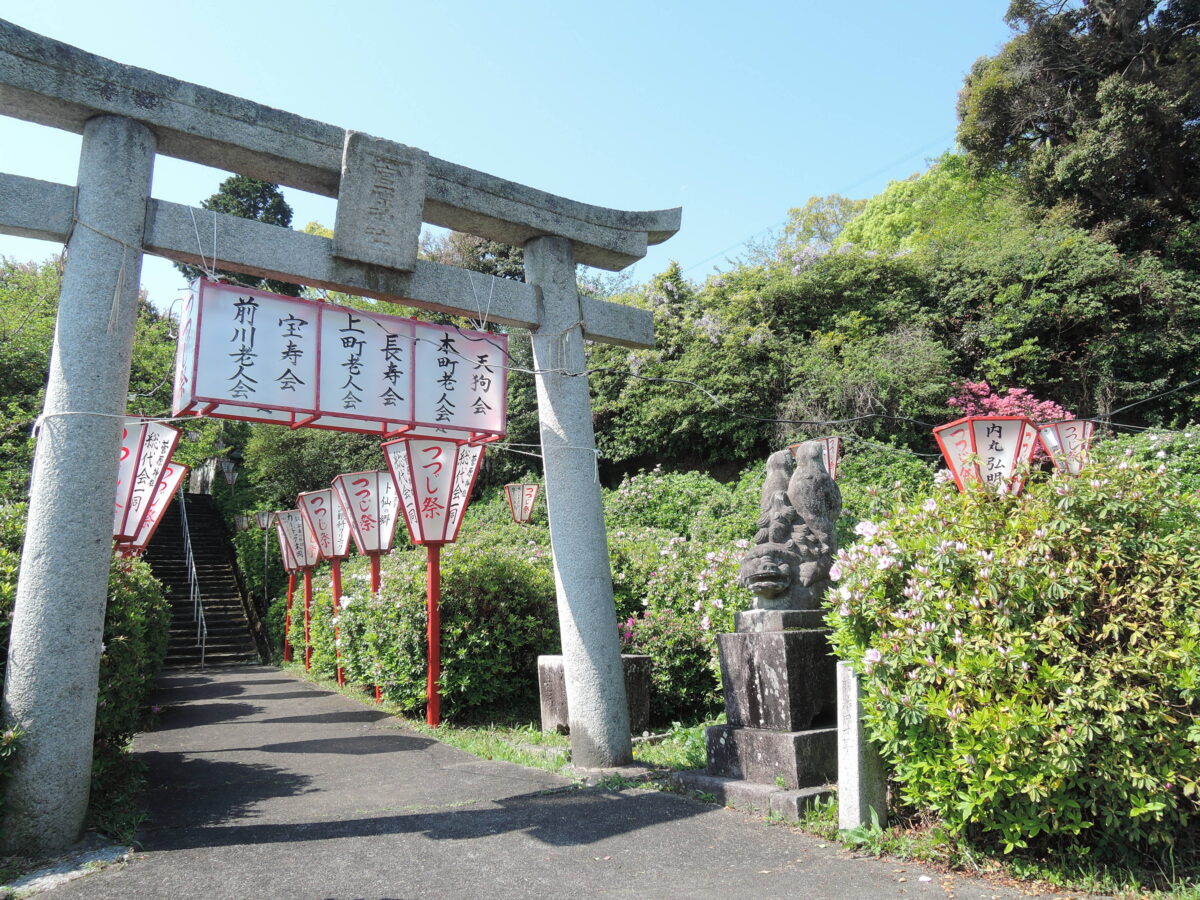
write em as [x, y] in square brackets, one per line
[136, 622]
[1032, 664]
[497, 611]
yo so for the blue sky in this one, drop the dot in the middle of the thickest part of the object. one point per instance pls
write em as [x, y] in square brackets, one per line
[734, 113]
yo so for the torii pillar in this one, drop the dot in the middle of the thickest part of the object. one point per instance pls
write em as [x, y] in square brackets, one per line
[595, 683]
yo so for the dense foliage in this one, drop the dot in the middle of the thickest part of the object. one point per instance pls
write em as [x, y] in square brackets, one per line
[1032, 665]
[135, 642]
[1095, 107]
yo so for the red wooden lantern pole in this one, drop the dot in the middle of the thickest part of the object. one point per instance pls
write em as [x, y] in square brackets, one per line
[305, 553]
[287, 619]
[434, 478]
[327, 520]
[368, 500]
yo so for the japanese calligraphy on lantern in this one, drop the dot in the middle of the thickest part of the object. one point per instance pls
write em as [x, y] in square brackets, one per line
[146, 448]
[434, 479]
[172, 475]
[260, 357]
[1067, 443]
[989, 449]
[371, 506]
[327, 520]
[301, 542]
[285, 550]
[520, 499]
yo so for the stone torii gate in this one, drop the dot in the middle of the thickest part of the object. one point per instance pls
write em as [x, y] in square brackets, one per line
[385, 190]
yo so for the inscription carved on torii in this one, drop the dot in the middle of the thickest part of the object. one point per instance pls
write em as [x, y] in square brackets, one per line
[385, 191]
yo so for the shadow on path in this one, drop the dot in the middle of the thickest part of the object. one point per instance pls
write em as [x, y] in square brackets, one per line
[564, 818]
[179, 716]
[189, 792]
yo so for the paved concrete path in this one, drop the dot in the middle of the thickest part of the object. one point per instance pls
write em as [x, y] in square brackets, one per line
[264, 786]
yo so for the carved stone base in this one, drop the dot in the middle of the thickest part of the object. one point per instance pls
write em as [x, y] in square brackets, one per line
[784, 680]
[790, 759]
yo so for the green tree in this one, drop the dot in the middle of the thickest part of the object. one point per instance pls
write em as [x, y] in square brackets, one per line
[1095, 107]
[249, 198]
[820, 220]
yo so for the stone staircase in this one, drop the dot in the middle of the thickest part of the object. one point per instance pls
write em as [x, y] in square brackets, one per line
[230, 639]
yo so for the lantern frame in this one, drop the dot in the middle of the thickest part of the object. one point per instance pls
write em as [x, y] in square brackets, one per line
[521, 499]
[300, 540]
[961, 440]
[139, 469]
[831, 453]
[262, 519]
[434, 502]
[172, 477]
[285, 549]
[1068, 443]
[380, 506]
[326, 516]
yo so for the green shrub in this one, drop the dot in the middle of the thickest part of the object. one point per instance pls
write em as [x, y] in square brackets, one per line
[497, 611]
[136, 623]
[675, 596]
[1032, 664]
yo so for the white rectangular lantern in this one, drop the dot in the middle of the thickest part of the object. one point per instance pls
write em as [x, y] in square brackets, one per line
[172, 476]
[300, 539]
[434, 480]
[327, 519]
[1068, 443]
[989, 449]
[261, 357]
[370, 504]
[831, 453]
[520, 499]
[146, 447]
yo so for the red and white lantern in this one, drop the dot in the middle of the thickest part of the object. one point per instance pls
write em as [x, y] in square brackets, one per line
[1068, 443]
[434, 478]
[831, 453]
[992, 450]
[369, 502]
[327, 519]
[146, 447]
[290, 566]
[172, 477]
[520, 499]
[305, 553]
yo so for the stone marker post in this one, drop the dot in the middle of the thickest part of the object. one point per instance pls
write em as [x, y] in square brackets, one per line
[862, 778]
[55, 644]
[587, 617]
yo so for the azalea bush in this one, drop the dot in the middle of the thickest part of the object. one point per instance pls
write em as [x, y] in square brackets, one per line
[497, 613]
[1031, 664]
[676, 594]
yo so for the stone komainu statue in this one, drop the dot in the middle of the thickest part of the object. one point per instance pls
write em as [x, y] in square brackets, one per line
[788, 568]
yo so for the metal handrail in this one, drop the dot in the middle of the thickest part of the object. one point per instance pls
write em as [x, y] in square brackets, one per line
[193, 581]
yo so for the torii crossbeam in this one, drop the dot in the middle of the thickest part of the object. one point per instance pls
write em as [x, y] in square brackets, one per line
[385, 191]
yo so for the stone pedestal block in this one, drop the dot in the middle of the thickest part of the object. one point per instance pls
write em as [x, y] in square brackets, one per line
[756, 620]
[783, 680]
[552, 691]
[790, 759]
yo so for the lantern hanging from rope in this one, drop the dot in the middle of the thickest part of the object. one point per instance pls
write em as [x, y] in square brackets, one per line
[992, 450]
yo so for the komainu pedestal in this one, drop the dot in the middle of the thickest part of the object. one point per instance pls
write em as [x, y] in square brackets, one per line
[780, 702]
